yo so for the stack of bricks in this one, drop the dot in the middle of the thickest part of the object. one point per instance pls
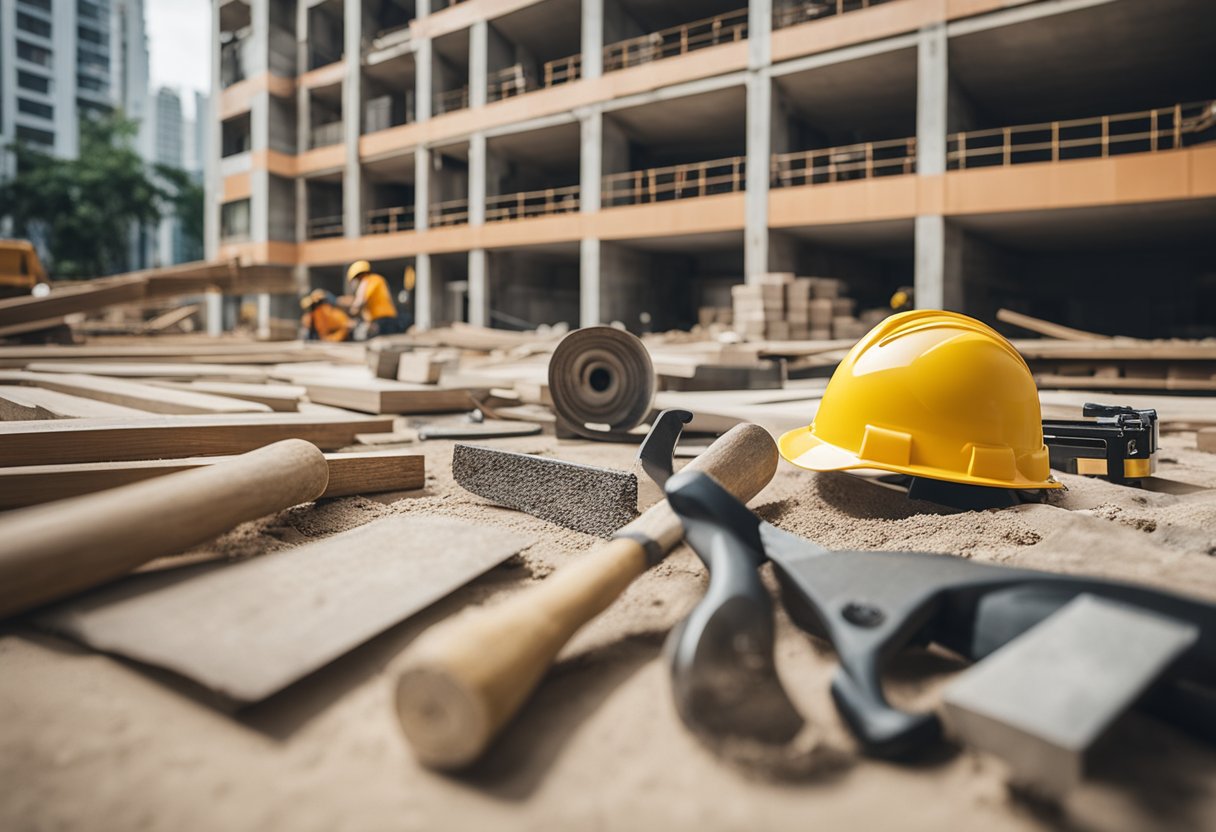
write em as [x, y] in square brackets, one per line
[781, 307]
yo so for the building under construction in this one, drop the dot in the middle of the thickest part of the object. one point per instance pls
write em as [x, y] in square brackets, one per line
[537, 161]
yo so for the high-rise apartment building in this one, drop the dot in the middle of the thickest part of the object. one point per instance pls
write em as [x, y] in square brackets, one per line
[591, 160]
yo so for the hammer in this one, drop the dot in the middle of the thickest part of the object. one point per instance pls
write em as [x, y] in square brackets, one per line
[466, 677]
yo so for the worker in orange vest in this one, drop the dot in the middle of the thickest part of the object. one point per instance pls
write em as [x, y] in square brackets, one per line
[373, 300]
[323, 320]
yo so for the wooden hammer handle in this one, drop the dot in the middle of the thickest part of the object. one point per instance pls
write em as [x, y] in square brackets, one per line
[464, 678]
[60, 548]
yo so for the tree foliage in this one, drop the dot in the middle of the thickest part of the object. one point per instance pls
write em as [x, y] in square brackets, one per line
[85, 208]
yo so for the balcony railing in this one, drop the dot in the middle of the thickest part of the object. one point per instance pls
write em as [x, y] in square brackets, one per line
[508, 82]
[563, 70]
[389, 220]
[793, 12]
[678, 40]
[320, 228]
[836, 164]
[686, 181]
[564, 200]
[449, 101]
[1163, 128]
[326, 134]
[453, 212]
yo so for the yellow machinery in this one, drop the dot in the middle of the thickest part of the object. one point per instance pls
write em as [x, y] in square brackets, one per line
[20, 268]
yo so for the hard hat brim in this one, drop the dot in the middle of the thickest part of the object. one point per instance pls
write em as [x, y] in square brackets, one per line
[802, 448]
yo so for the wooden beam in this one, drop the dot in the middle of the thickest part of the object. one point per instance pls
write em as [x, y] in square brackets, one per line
[17, 403]
[198, 349]
[145, 397]
[67, 300]
[283, 398]
[1051, 330]
[169, 372]
[1205, 440]
[349, 474]
[57, 441]
[387, 396]
[1048, 381]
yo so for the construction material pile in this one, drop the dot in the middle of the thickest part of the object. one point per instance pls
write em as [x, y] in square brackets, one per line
[782, 307]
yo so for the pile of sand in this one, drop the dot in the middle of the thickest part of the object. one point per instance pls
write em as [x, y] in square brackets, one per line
[88, 741]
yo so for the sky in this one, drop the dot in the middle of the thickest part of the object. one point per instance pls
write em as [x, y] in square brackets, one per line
[179, 40]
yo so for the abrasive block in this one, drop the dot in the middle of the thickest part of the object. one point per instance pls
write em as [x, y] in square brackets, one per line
[1044, 698]
[587, 499]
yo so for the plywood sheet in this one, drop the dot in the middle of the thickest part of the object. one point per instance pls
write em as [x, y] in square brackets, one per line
[250, 629]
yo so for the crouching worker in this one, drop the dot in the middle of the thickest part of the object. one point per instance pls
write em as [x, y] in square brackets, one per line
[373, 300]
[322, 319]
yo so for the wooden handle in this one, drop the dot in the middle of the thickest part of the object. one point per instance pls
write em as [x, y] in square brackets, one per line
[465, 677]
[60, 548]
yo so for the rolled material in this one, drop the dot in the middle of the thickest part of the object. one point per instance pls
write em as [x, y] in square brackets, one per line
[602, 382]
[464, 678]
[61, 548]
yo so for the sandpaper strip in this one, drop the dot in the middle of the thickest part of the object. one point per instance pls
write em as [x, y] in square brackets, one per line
[250, 629]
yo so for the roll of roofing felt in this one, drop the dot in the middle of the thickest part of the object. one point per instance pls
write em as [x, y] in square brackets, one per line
[602, 382]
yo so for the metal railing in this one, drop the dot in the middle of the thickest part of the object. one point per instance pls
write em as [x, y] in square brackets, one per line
[325, 134]
[835, 164]
[320, 228]
[686, 181]
[449, 101]
[677, 40]
[452, 212]
[564, 200]
[1163, 128]
[793, 12]
[389, 220]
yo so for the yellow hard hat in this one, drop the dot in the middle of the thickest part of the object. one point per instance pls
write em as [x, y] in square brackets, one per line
[930, 394]
[358, 269]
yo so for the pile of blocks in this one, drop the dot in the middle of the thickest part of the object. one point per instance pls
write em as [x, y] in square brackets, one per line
[782, 307]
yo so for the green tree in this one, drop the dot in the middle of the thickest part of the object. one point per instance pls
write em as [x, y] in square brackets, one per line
[85, 207]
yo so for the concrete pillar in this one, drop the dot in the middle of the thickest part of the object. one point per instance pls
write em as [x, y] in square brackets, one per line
[589, 313]
[211, 180]
[759, 26]
[422, 187]
[259, 123]
[478, 53]
[932, 95]
[477, 179]
[479, 289]
[352, 119]
[422, 291]
[214, 308]
[593, 38]
[591, 161]
[759, 143]
[422, 79]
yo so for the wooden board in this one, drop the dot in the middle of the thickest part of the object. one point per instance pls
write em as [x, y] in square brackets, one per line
[1049, 381]
[249, 629]
[387, 396]
[196, 349]
[1064, 333]
[18, 403]
[67, 300]
[56, 441]
[1176, 412]
[349, 474]
[283, 398]
[168, 372]
[1205, 440]
[145, 397]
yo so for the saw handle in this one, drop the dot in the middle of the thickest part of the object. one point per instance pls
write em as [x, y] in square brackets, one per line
[465, 677]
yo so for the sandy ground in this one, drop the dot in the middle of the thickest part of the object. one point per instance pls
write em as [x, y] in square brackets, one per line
[93, 742]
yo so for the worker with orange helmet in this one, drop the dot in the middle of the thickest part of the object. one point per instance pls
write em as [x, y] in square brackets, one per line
[373, 300]
[323, 320]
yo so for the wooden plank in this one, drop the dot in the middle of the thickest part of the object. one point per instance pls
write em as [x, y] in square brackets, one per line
[67, 300]
[145, 397]
[292, 611]
[167, 319]
[349, 474]
[1064, 333]
[189, 349]
[169, 372]
[1118, 349]
[388, 396]
[32, 326]
[1205, 440]
[282, 398]
[18, 403]
[1051, 381]
[57, 441]
[1176, 413]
